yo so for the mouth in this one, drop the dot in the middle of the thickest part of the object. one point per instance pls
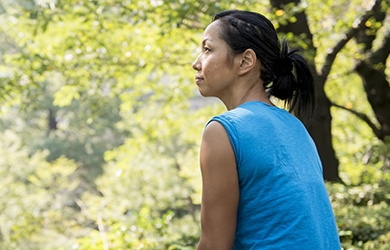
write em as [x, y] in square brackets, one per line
[198, 79]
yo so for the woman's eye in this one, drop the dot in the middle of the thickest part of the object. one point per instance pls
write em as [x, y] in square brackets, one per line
[206, 49]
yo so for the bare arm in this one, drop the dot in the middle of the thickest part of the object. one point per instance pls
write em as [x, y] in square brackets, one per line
[220, 193]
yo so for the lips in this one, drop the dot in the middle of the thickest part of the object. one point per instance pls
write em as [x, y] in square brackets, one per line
[198, 79]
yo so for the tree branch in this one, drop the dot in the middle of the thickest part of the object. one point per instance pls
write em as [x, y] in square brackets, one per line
[368, 34]
[299, 27]
[356, 27]
[381, 55]
[364, 117]
[102, 228]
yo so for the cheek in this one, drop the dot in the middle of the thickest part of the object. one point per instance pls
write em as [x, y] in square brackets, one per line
[214, 66]
[209, 69]
[221, 63]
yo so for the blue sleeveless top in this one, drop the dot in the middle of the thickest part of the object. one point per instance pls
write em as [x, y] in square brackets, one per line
[283, 200]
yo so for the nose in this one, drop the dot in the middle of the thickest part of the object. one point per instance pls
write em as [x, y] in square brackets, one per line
[196, 65]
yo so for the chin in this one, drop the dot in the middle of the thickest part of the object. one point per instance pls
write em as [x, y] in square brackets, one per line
[205, 93]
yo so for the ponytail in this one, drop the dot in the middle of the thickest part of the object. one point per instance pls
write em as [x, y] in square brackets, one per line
[293, 83]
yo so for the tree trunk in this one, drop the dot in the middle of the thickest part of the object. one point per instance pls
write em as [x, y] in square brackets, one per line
[52, 123]
[372, 72]
[378, 94]
[320, 127]
[321, 131]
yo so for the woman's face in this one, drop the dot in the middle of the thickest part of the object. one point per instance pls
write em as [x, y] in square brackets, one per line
[215, 74]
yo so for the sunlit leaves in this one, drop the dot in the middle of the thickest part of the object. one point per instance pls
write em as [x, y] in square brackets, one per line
[65, 96]
[117, 76]
[362, 215]
[35, 195]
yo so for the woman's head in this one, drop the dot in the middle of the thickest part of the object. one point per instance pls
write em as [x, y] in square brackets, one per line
[243, 30]
[215, 74]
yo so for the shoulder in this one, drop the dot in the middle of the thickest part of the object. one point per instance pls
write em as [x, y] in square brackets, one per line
[214, 126]
[216, 145]
[230, 119]
[248, 112]
[215, 133]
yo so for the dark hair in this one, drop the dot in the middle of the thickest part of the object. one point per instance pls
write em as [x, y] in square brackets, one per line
[287, 71]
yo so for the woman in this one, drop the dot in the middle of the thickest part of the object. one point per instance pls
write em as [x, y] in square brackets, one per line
[262, 177]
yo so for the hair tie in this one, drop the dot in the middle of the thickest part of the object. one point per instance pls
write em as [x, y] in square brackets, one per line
[283, 66]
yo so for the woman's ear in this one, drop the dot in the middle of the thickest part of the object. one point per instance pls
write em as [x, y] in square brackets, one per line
[247, 61]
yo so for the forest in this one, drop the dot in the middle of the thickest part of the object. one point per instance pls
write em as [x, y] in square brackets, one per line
[101, 121]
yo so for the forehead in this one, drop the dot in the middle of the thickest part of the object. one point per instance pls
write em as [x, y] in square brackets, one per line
[212, 32]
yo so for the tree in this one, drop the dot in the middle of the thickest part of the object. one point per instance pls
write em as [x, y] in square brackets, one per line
[92, 65]
[370, 66]
[36, 197]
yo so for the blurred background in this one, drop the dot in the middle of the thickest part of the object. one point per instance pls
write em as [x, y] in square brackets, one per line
[101, 122]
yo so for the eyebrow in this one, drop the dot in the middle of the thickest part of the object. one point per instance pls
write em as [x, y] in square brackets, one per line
[204, 41]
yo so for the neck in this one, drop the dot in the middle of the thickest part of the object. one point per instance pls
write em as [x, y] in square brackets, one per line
[245, 92]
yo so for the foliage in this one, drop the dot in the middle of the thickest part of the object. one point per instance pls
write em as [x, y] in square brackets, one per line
[121, 81]
[36, 197]
[173, 187]
[362, 214]
[83, 132]
[100, 127]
